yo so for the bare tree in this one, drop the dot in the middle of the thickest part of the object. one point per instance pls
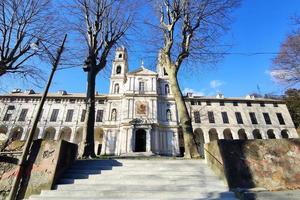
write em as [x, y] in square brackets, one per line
[22, 24]
[103, 24]
[190, 29]
[286, 65]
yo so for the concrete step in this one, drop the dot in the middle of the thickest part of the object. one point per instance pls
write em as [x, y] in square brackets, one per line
[142, 177]
[138, 179]
[38, 197]
[140, 172]
[136, 194]
[120, 188]
[144, 181]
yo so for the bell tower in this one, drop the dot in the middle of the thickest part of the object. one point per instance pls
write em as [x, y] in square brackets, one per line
[160, 68]
[119, 70]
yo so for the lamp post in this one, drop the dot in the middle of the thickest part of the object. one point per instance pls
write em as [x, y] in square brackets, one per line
[21, 164]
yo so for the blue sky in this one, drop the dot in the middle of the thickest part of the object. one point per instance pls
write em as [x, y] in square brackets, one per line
[258, 26]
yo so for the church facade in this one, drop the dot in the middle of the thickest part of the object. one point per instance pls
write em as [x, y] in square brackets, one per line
[139, 115]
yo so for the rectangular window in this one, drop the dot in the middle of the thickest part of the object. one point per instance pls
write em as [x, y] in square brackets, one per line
[54, 115]
[208, 103]
[197, 117]
[211, 117]
[262, 104]
[199, 103]
[101, 101]
[83, 115]
[249, 104]
[69, 116]
[222, 103]
[99, 116]
[9, 113]
[280, 118]
[239, 118]
[267, 118]
[253, 118]
[72, 100]
[275, 104]
[23, 115]
[192, 103]
[235, 103]
[141, 87]
[225, 118]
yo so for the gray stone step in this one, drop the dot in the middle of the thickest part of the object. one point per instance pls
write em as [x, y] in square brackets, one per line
[136, 187]
[143, 181]
[138, 179]
[136, 194]
[38, 197]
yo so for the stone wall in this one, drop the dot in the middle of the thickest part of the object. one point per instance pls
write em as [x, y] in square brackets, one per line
[271, 164]
[47, 161]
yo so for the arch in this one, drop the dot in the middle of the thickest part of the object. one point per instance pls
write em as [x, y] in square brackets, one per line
[98, 138]
[118, 69]
[16, 133]
[256, 134]
[213, 134]
[3, 129]
[242, 134]
[49, 133]
[167, 89]
[140, 140]
[65, 133]
[199, 139]
[114, 114]
[169, 115]
[120, 55]
[285, 134]
[116, 88]
[227, 134]
[271, 134]
[79, 136]
[35, 135]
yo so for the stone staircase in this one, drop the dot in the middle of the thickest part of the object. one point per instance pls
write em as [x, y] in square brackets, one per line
[138, 179]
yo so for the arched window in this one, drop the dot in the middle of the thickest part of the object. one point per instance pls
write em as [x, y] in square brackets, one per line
[167, 89]
[116, 88]
[120, 55]
[114, 115]
[119, 69]
[169, 115]
[165, 72]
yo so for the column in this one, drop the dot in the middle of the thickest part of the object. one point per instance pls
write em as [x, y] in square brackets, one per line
[130, 145]
[148, 140]
[103, 149]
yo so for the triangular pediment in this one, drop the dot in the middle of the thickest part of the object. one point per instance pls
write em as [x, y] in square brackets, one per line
[142, 71]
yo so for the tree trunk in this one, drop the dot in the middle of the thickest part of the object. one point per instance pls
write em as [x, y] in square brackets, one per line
[87, 145]
[190, 147]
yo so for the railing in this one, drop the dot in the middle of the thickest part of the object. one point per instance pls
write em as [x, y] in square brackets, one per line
[11, 153]
[213, 157]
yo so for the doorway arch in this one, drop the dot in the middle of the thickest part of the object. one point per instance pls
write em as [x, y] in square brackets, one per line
[140, 140]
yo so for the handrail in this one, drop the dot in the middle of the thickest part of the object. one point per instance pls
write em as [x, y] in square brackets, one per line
[213, 156]
[10, 152]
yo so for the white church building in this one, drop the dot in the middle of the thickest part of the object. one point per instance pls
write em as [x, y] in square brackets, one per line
[139, 115]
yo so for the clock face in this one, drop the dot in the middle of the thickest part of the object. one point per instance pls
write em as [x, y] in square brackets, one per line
[141, 107]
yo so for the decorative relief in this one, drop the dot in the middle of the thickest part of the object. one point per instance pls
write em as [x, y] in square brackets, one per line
[141, 107]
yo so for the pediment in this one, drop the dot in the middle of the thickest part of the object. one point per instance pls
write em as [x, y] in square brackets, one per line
[142, 71]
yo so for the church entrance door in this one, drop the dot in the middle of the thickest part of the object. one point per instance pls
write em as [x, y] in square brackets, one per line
[140, 140]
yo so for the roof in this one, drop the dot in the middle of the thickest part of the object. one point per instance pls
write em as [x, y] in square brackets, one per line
[142, 71]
